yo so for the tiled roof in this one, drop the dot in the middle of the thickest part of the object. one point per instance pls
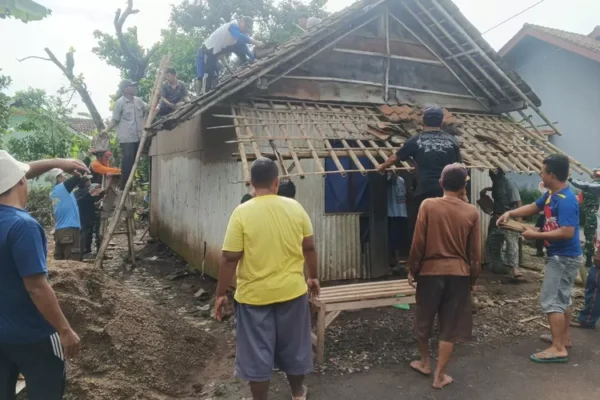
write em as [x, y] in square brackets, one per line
[575, 38]
[584, 45]
[282, 129]
[82, 125]
[345, 19]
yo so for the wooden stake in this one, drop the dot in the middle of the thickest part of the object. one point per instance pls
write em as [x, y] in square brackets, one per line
[160, 76]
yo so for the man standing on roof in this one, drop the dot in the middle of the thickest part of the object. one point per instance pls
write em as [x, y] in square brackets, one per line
[591, 311]
[128, 118]
[232, 37]
[268, 242]
[506, 197]
[173, 94]
[431, 150]
[35, 337]
[307, 22]
[444, 261]
[561, 234]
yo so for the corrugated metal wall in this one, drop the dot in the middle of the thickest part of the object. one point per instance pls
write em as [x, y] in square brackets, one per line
[193, 196]
[480, 179]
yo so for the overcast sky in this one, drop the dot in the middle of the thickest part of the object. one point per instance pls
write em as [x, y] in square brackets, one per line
[73, 22]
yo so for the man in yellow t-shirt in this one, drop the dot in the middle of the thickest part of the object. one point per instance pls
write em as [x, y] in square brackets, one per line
[269, 239]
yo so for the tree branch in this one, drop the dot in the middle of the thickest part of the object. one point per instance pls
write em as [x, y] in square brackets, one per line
[27, 58]
[119, 22]
[78, 85]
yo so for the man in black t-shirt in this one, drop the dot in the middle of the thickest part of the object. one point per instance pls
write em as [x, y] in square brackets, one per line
[431, 150]
[173, 94]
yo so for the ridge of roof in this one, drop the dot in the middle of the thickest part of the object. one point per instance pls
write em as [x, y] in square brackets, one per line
[585, 45]
[349, 17]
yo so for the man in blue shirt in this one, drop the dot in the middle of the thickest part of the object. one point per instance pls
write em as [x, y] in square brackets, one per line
[232, 37]
[561, 236]
[35, 336]
[66, 214]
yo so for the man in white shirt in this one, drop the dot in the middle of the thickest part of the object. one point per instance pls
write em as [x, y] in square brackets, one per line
[397, 217]
[232, 37]
[307, 22]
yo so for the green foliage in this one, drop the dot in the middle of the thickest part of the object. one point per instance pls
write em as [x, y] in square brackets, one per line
[529, 196]
[46, 121]
[5, 82]
[39, 206]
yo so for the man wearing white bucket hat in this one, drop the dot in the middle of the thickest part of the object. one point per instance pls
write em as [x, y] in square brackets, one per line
[35, 336]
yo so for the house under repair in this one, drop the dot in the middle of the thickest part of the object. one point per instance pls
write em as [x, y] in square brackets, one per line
[329, 106]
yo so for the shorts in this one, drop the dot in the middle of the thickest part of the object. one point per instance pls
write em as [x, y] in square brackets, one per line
[559, 278]
[66, 244]
[448, 297]
[41, 363]
[275, 334]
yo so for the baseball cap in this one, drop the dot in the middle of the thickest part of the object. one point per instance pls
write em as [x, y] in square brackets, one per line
[12, 171]
[53, 174]
[433, 116]
[126, 83]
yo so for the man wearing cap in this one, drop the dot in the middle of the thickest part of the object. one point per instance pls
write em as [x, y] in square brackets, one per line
[232, 37]
[128, 117]
[590, 208]
[432, 150]
[35, 337]
[66, 214]
[444, 261]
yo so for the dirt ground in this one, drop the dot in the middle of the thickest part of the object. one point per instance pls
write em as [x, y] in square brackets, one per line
[148, 334]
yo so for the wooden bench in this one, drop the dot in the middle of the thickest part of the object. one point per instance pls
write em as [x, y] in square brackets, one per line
[335, 299]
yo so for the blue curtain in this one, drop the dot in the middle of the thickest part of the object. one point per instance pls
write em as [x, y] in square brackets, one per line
[347, 194]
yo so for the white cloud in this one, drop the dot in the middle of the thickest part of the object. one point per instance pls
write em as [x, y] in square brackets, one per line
[73, 22]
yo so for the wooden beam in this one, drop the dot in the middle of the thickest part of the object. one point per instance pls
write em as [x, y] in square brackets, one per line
[392, 56]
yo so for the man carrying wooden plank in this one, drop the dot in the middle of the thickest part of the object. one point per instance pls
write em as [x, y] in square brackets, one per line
[432, 150]
[268, 241]
[444, 261]
[561, 236]
[35, 337]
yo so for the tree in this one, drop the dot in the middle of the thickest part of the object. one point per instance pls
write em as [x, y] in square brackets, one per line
[5, 82]
[46, 122]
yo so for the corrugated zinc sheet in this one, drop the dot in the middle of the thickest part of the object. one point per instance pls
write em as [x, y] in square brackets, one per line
[480, 179]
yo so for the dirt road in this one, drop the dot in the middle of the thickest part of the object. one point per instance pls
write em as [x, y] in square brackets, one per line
[486, 372]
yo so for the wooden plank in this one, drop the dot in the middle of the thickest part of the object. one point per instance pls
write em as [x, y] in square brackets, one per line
[289, 143]
[343, 291]
[365, 296]
[321, 335]
[309, 142]
[377, 303]
[368, 284]
[332, 154]
[330, 317]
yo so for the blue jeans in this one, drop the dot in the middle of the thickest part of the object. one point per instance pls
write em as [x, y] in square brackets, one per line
[591, 312]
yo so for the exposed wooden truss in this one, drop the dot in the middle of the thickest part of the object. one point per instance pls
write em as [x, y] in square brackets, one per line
[301, 130]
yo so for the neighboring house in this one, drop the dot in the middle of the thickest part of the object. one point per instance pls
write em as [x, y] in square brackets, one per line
[329, 106]
[563, 68]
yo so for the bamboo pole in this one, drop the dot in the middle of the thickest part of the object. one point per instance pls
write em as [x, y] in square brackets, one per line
[160, 75]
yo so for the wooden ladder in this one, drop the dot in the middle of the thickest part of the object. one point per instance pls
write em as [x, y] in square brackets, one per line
[124, 203]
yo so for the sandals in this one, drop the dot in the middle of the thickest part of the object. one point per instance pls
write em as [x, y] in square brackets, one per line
[548, 358]
[302, 397]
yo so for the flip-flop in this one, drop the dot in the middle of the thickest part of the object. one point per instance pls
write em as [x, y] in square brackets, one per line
[304, 396]
[548, 339]
[548, 359]
[419, 371]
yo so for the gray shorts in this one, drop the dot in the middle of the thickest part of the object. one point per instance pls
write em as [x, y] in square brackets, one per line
[276, 334]
[559, 278]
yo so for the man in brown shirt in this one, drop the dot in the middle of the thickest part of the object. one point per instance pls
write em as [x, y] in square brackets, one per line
[444, 261]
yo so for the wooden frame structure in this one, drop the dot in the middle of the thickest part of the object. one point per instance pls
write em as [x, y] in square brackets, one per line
[335, 299]
[287, 130]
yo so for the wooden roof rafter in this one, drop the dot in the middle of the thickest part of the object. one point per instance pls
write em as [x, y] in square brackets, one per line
[292, 130]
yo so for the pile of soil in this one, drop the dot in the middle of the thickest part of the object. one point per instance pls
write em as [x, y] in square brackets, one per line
[130, 348]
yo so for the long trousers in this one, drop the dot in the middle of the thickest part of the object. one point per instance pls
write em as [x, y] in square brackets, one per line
[591, 312]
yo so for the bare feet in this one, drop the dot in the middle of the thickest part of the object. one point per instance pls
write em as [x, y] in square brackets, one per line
[517, 274]
[422, 367]
[440, 381]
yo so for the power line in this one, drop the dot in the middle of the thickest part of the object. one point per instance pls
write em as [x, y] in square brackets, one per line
[514, 16]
